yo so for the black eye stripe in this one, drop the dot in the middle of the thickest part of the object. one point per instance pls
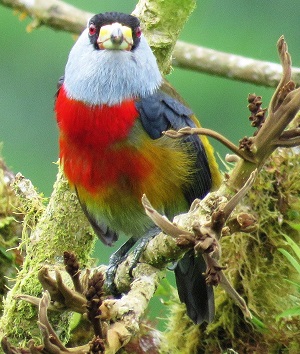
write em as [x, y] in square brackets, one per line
[108, 18]
[111, 17]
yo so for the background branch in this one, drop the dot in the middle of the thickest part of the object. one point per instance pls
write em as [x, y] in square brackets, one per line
[62, 16]
[53, 13]
[230, 66]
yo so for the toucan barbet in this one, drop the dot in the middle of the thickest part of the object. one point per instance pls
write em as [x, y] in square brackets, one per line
[112, 106]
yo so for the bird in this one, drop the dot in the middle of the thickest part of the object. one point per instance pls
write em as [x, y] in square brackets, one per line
[112, 107]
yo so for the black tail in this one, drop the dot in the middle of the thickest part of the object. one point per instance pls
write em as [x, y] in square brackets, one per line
[193, 289]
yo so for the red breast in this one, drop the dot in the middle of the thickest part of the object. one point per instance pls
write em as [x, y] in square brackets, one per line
[93, 143]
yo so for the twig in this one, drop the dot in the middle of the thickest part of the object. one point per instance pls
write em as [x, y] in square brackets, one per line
[234, 295]
[283, 108]
[45, 326]
[290, 134]
[208, 132]
[289, 138]
[235, 200]
[286, 63]
[292, 142]
[161, 221]
[284, 105]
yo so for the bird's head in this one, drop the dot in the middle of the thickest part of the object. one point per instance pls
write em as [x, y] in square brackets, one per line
[114, 30]
[111, 61]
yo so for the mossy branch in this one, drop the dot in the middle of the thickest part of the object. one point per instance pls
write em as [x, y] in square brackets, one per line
[63, 226]
[63, 219]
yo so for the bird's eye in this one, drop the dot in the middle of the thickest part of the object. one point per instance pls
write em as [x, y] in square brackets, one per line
[138, 32]
[92, 29]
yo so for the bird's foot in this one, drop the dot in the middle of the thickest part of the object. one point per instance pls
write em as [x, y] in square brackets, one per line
[120, 255]
[115, 259]
[140, 247]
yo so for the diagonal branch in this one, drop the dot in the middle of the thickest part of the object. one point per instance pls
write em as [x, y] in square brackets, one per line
[283, 108]
[228, 65]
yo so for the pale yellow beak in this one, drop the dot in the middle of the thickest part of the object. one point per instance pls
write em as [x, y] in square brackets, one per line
[115, 36]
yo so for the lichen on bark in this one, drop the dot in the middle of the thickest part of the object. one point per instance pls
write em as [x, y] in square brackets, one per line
[61, 227]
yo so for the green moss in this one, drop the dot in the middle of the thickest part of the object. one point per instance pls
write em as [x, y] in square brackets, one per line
[181, 336]
[257, 271]
[256, 268]
[163, 21]
[61, 227]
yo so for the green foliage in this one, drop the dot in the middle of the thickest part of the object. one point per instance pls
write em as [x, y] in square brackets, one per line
[256, 269]
[295, 262]
[32, 63]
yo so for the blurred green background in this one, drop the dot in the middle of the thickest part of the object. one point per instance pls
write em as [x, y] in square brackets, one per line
[31, 63]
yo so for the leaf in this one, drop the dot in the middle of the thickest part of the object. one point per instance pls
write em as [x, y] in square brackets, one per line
[295, 311]
[295, 226]
[291, 259]
[6, 221]
[163, 288]
[293, 245]
[297, 285]
[75, 320]
[259, 324]
[6, 254]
